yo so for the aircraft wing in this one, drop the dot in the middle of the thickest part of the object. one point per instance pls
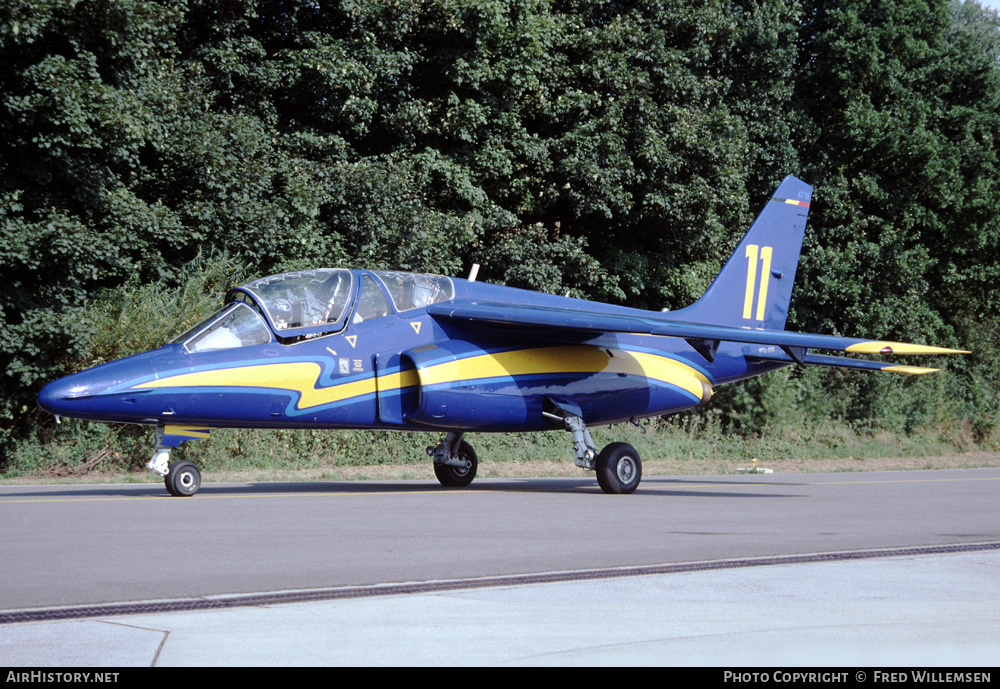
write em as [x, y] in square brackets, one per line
[528, 320]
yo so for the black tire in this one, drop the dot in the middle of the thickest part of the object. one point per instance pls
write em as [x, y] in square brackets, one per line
[183, 479]
[458, 477]
[619, 469]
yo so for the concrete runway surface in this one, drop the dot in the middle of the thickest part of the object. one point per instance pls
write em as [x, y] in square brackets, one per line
[72, 546]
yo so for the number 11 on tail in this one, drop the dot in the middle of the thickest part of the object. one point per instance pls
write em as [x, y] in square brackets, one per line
[763, 253]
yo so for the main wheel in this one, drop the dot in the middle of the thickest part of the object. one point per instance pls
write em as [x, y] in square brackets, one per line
[619, 468]
[183, 479]
[458, 477]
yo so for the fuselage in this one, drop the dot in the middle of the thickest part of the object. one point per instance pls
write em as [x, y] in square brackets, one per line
[282, 353]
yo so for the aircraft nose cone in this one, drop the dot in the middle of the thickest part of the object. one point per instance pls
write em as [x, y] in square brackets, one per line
[105, 392]
[57, 397]
[47, 398]
[81, 395]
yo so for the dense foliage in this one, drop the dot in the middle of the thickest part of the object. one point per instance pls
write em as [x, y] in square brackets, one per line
[614, 150]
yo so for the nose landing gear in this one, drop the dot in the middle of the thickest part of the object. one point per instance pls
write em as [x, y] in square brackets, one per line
[182, 479]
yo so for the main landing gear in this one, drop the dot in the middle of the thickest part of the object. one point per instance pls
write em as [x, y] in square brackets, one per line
[617, 466]
[455, 461]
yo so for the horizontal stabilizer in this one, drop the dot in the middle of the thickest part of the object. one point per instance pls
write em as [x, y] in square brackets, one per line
[839, 362]
[542, 321]
[899, 348]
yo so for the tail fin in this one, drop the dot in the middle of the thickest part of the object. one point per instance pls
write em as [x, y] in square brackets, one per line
[754, 288]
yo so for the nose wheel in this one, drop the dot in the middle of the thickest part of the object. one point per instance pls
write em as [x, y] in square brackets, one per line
[183, 479]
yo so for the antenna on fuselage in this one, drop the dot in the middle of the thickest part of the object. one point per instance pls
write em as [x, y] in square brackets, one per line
[474, 272]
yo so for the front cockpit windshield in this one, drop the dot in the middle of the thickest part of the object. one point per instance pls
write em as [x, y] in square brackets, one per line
[306, 301]
[235, 325]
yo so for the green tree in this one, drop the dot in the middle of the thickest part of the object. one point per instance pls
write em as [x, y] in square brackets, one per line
[611, 150]
[902, 153]
[75, 120]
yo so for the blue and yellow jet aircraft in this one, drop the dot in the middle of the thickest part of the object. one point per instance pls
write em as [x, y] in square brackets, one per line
[335, 348]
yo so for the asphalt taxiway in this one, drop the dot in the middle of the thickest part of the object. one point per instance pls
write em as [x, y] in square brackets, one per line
[674, 600]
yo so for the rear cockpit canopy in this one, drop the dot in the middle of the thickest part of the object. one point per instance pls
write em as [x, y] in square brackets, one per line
[416, 290]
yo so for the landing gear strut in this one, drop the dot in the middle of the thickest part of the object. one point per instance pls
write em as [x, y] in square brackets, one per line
[455, 461]
[618, 466]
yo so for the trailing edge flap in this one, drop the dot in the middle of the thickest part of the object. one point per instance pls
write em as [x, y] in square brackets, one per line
[526, 322]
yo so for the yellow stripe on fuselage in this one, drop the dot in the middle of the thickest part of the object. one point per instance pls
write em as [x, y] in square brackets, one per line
[303, 377]
[668, 370]
[519, 362]
[566, 359]
[398, 380]
[300, 377]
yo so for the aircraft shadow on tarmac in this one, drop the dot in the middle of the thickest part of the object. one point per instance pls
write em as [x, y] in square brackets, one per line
[654, 486]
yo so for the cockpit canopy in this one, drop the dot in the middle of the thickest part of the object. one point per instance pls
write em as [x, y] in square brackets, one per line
[235, 325]
[291, 307]
[303, 302]
[415, 290]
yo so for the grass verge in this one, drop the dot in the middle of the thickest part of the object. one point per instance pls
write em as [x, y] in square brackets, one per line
[667, 448]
